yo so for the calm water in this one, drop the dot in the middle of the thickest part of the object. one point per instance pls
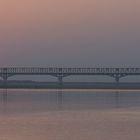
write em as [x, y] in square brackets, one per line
[35, 101]
[69, 115]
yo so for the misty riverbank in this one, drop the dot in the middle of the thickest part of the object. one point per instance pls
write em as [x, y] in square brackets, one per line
[68, 85]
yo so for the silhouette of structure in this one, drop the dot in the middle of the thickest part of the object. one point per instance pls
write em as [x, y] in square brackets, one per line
[60, 73]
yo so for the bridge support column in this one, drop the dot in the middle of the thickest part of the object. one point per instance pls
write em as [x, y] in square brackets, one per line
[117, 79]
[4, 77]
[60, 79]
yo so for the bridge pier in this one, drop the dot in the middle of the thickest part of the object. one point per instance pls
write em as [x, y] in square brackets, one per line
[60, 79]
[117, 79]
[4, 77]
[4, 74]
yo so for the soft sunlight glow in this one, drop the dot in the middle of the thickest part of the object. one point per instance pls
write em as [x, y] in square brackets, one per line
[51, 30]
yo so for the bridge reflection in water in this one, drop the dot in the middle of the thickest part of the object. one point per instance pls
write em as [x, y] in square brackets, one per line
[22, 101]
[41, 100]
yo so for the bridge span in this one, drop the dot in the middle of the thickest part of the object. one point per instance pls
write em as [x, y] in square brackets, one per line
[60, 73]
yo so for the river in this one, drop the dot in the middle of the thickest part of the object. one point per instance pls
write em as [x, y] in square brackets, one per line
[69, 114]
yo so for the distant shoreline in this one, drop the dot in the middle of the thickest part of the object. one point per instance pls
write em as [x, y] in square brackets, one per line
[67, 85]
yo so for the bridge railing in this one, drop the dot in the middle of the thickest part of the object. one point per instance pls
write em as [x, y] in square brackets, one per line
[33, 70]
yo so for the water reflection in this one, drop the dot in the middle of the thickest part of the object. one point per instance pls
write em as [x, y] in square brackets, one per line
[18, 101]
[4, 100]
[117, 98]
[4, 96]
[60, 97]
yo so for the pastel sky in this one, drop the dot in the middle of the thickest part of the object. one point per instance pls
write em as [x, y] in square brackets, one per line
[70, 33]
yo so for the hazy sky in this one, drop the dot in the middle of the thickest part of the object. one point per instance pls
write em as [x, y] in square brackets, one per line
[70, 33]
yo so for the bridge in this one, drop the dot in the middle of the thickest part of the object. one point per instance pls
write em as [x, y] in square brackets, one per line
[60, 73]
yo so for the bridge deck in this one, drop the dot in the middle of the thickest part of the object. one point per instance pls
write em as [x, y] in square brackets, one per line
[117, 73]
[70, 70]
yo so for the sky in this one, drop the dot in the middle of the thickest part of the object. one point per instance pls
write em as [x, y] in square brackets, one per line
[70, 33]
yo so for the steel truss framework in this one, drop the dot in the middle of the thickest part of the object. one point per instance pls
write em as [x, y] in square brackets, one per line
[60, 73]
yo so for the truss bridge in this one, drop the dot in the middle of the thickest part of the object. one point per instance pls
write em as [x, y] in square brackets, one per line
[60, 73]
